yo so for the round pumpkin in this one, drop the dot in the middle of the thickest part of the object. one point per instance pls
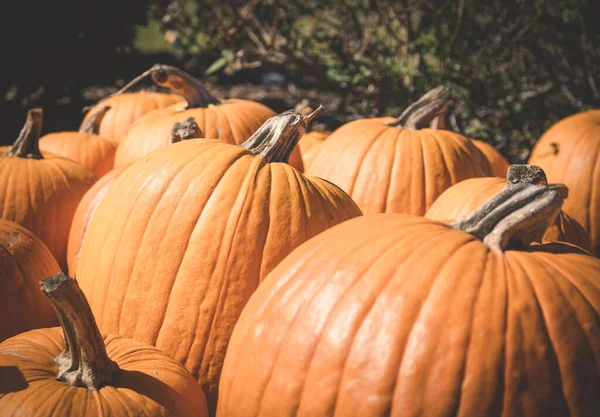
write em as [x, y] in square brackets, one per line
[398, 315]
[498, 163]
[39, 192]
[86, 146]
[77, 372]
[310, 145]
[24, 261]
[83, 216]
[232, 120]
[399, 166]
[569, 152]
[185, 235]
[458, 201]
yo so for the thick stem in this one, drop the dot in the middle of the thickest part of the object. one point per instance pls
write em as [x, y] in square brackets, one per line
[525, 174]
[188, 129]
[516, 217]
[92, 125]
[428, 111]
[277, 137]
[84, 362]
[26, 145]
[183, 84]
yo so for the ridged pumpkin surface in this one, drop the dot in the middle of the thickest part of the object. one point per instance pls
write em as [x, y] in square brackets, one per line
[126, 108]
[569, 152]
[24, 261]
[310, 145]
[390, 169]
[395, 315]
[458, 201]
[185, 235]
[497, 161]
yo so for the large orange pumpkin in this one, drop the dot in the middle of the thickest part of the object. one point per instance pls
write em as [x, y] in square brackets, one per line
[398, 315]
[24, 261]
[399, 166]
[232, 120]
[458, 201]
[569, 152]
[39, 192]
[498, 163]
[185, 235]
[76, 372]
[310, 145]
[86, 146]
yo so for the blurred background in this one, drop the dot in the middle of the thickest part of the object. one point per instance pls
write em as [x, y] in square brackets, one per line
[515, 66]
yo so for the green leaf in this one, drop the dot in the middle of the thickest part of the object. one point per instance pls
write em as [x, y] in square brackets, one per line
[217, 65]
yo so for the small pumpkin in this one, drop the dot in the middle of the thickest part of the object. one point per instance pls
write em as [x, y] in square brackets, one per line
[398, 315]
[232, 120]
[185, 235]
[399, 166]
[458, 201]
[310, 145]
[498, 163]
[24, 261]
[569, 152]
[84, 213]
[77, 372]
[86, 146]
[39, 192]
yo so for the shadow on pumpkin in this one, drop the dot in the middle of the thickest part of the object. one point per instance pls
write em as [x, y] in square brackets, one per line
[147, 386]
[11, 380]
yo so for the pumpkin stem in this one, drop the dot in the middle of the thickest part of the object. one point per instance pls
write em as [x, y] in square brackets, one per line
[516, 217]
[525, 174]
[27, 144]
[92, 125]
[277, 137]
[188, 129]
[428, 111]
[183, 84]
[84, 362]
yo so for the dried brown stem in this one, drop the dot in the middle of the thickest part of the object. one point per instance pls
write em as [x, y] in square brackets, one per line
[27, 144]
[428, 111]
[92, 125]
[188, 129]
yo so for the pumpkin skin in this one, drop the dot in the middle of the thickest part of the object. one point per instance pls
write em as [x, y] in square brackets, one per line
[83, 216]
[498, 163]
[182, 254]
[126, 108]
[568, 152]
[310, 145]
[396, 315]
[42, 196]
[24, 261]
[458, 201]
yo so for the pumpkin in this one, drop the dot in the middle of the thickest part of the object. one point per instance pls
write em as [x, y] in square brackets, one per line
[185, 235]
[399, 166]
[39, 192]
[232, 120]
[498, 163]
[77, 372]
[399, 315]
[458, 201]
[83, 216]
[310, 145]
[87, 147]
[569, 153]
[24, 260]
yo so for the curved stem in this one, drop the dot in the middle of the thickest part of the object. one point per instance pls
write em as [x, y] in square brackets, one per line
[27, 144]
[188, 129]
[92, 125]
[516, 217]
[428, 111]
[183, 84]
[84, 361]
[277, 137]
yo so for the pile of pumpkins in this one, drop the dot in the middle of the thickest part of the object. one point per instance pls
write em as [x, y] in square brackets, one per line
[184, 255]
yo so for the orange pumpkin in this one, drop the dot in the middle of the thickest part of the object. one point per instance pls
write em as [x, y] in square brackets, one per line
[399, 166]
[185, 235]
[83, 216]
[87, 147]
[310, 145]
[498, 163]
[232, 120]
[77, 372]
[397, 315]
[569, 153]
[24, 261]
[39, 192]
[458, 201]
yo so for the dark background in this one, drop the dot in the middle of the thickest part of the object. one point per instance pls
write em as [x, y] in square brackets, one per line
[515, 67]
